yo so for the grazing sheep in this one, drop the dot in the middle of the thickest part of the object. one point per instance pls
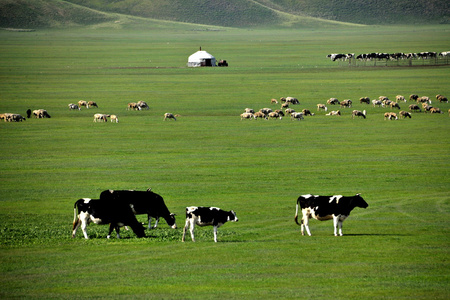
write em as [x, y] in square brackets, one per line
[394, 105]
[74, 106]
[4, 116]
[414, 107]
[427, 107]
[377, 103]
[101, 117]
[383, 98]
[346, 103]
[82, 103]
[273, 100]
[399, 98]
[41, 113]
[333, 101]
[285, 105]
[91, 103]
[364, 100]
[9, 117]
[358, 113]
[142, 105]
[249, 110]
[334, 113]
[390, 116]
[247, 116]
[114, 118]
[404, 114]
[169, 116]
[321, 106]
[385, 103]
[259, 114]
[297, 116]
[265, 111]
[307, 112]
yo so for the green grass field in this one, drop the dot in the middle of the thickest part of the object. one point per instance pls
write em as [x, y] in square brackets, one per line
[397, 248]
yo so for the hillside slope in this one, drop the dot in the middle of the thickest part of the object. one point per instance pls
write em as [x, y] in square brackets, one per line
[231, 13]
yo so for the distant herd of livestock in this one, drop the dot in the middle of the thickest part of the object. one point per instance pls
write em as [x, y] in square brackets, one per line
[422, 103]
[42, 113]
[387, 56]
[118, 208]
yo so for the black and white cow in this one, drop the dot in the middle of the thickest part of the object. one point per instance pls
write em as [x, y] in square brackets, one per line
[100, 212]
[204, 216]
[142, 202]
[323, 208]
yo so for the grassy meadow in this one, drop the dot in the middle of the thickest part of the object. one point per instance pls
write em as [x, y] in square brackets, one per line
[397, 248]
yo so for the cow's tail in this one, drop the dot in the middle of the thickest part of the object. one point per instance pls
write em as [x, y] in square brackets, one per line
[296, 212]
[75, 214]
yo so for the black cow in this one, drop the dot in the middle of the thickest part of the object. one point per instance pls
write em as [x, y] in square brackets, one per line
[142, 202]
[116, 214]
[324, 208]
[204, 216]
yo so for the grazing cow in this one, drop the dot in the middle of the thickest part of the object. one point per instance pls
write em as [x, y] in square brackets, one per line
[9, 117]
[82, 103]
[249, 110]
[275, 115]
[364, 100]
[259, 114]
[433, 110]
[390, 116]
[321, 106]
[169, 116]
[247, 116]
[441, 98]
[142, 104]
[333, 101]
[404, 114]
[292, 100]
[307, 112]
[289, 111]
[100, 212]
[101, 117]
[91, 103]
[399, 98]
[133, 106]
[114, 118]
[424, 99]
[394, 105]
[41, 113]
[266, 110]
[414, 107]
[377, 103]
[346, 103]
[358, 113]
[285, 105]
[204, 216]
[297, 116]
[413, 97]
[142, 202]
[334, 113]
[323, 208]
[74, 106]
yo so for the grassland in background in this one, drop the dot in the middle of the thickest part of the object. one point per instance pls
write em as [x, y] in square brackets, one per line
[396, 248]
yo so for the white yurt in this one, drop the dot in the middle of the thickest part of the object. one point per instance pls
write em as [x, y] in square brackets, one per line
[201, 59]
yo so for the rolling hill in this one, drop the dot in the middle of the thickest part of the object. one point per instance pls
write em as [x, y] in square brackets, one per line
[230, 13]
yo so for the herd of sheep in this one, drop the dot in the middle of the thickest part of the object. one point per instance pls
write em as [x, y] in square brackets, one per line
[422, 103]
[42, 113]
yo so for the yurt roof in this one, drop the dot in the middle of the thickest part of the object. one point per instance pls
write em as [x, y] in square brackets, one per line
[200, 55]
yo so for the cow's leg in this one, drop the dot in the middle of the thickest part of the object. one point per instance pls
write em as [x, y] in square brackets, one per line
[305, 223]
[185, 229]
[149, 222]
[215, 233]
[117, 227]
[337, 223]
[76, 224]
[156, 222]
[84, 218]
[111, 229]
[191, 229]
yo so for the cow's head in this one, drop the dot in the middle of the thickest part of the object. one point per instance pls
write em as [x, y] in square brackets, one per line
[232, 216]
[359, 201]
[171, 221]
